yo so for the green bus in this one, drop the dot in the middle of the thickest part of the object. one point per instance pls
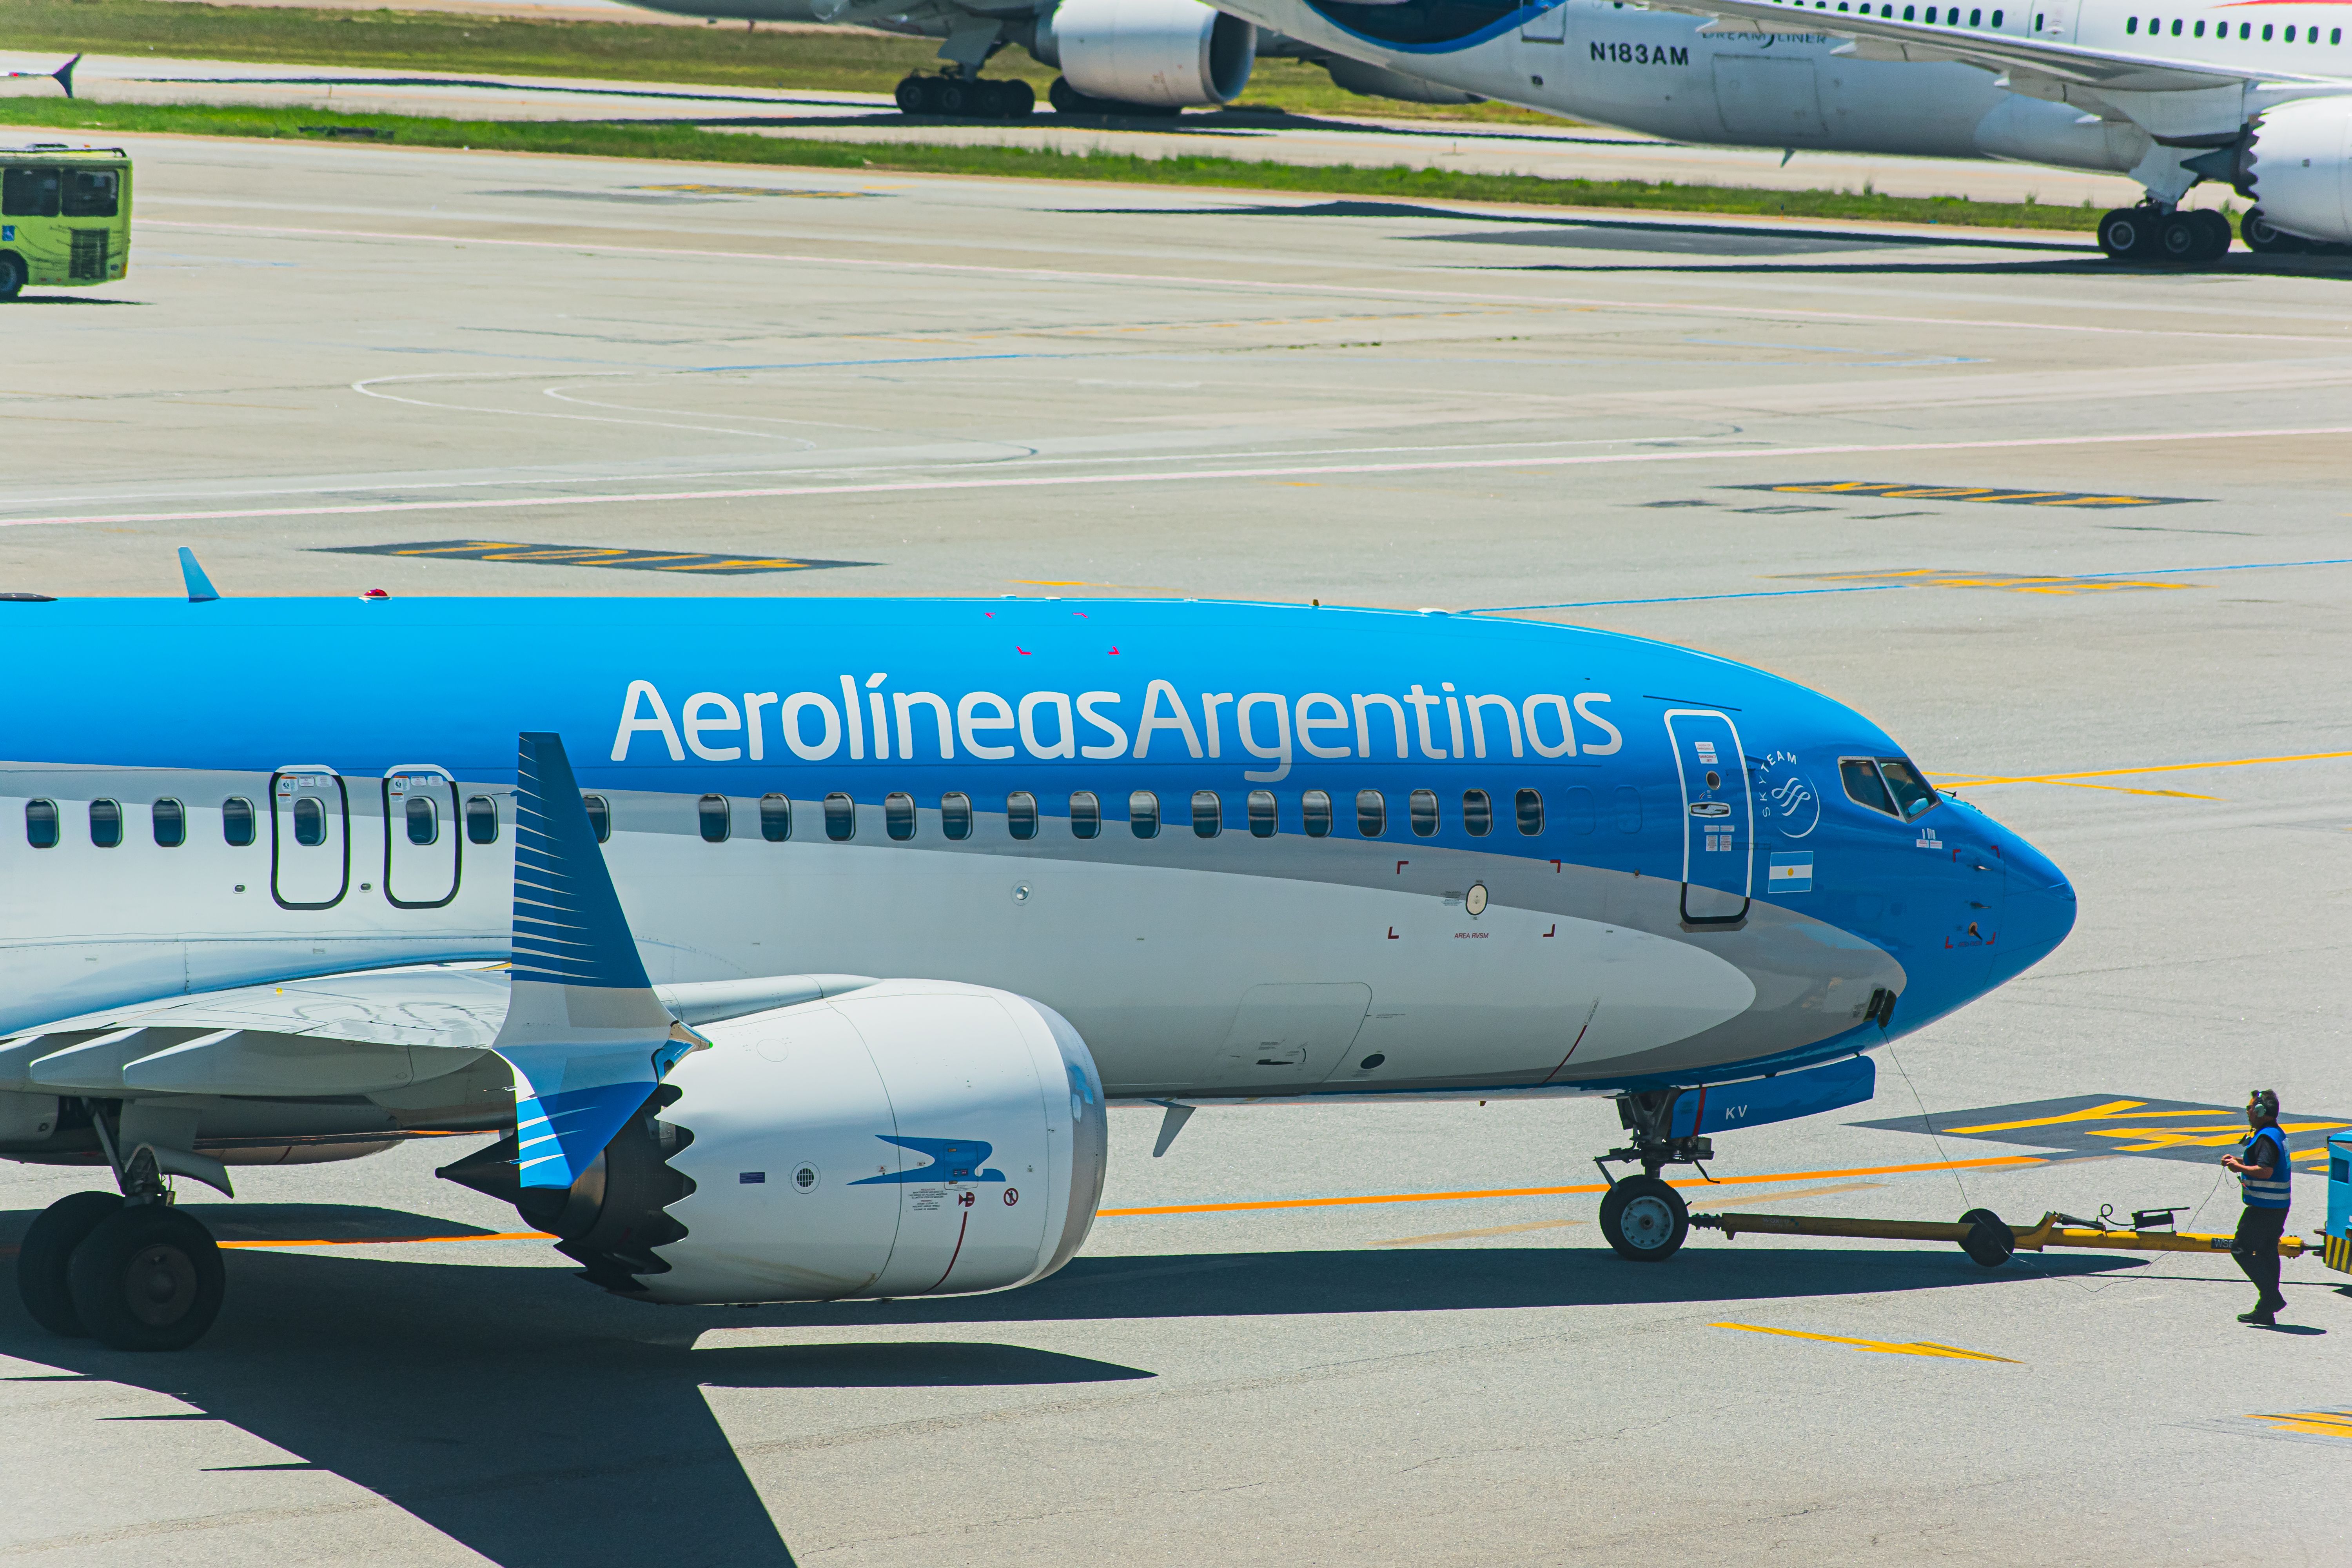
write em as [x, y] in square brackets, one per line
[65, 215]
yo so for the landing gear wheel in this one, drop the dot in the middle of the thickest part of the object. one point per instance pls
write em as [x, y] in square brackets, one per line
[2180, 237]
[1017, 100]
[147, 1279]
[950, 96]
[1644, 1219]
[2263, 239]
[12, 276]
[1989, 1242]
[915, 95]
[1068, 99]
[2218, 237]
[2129, 234]
[48, 1249]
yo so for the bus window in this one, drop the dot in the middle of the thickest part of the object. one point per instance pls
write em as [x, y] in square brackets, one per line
[29, 193]
[90, 193]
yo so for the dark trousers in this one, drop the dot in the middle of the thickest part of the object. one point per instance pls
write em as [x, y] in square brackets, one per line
[2255, 1246]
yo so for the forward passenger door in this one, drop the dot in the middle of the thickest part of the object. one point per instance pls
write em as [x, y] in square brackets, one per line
[1718, 817]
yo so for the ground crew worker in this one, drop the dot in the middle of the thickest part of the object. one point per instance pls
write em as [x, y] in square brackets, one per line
[2262, 1166]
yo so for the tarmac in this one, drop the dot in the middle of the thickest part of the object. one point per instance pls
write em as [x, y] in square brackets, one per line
[1885, 462]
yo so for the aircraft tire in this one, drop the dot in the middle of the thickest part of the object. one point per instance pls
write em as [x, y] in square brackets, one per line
[950, 96]
[147, 1279]
[2128, 233]
[1016, 99]
[2262, 239]
[2218, 235]
[909, 94]
[11, 275]
[2181, 237]
[1989, 1243]
[1644, 1219]
[48, 1249]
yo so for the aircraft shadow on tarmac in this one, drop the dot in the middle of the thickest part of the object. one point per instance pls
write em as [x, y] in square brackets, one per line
[541, 1422]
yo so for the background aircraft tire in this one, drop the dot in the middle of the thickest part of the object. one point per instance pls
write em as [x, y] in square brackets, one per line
[48, 1249]
[2181, 237]
[147, 1279]
[2218, 235]
[2262, 239]
[1989, 1242]
[1644, 1219]
[2128, 233]
[1016, 100]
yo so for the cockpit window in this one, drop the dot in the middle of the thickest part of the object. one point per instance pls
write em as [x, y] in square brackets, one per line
[1863, 786]
[1913, 794]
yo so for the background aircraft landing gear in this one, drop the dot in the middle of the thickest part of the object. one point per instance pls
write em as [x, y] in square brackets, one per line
[2129, 234]
[975, 99]
[2263, 240]
[1644, 1219]
[2194, 238]
[1068, 99]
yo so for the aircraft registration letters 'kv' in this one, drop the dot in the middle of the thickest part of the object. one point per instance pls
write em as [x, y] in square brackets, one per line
[795, 949]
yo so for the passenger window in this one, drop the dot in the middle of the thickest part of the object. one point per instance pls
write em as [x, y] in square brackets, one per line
[898, 815]
[1996, 18]
[2201, 30]
[1914, 796]
[1583, 812]
[1629, 809]
[481, 819]
[29, 193]
[1263, 820]
[237, 821]
[1315, 809]
[840, 817]
[717, 820]
[1021, 814]
[170, 821]
[1371, 814]
[1143, 814]
[423, 821]
[1422, 807]
[106, 824]
[599, 817]
[955, 815]
[1530, 804]
[1862, 786]
[1208, 814]
[1085, 815]
[90, 193]
[309, 822]
[40, 816]
[1976, 18]
[1477, 813]
[775, 818]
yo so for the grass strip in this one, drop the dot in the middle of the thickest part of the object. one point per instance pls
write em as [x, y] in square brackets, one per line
[610, 139]
[728, 55]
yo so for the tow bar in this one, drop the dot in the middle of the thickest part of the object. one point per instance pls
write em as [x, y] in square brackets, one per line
[1983, 1236]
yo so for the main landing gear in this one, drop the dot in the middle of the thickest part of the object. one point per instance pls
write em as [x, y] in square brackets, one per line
[1644, 1219]
[2152, 233]
[967, 98]
[130, 1272]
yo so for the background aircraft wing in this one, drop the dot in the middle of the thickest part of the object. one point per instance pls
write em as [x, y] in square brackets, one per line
[1885, 37]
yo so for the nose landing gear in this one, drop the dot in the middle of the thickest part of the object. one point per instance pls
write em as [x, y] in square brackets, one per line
[1645, 1220]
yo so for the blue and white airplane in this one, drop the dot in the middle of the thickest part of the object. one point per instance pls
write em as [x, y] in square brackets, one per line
[284, 886]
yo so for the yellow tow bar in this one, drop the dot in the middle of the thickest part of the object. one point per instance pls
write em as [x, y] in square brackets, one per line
[1980, 1233]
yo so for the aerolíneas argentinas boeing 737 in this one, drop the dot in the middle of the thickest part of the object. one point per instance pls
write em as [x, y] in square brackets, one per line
[2248, 92]
[311, 895]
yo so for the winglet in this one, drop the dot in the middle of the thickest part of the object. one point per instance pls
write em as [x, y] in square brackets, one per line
[64, 75]
[584, 1033]
[200, 587]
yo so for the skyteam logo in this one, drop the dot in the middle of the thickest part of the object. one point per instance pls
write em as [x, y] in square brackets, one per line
[953, 1160]
[1785, 799]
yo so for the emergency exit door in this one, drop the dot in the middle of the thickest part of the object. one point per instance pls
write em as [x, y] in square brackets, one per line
[310, 837]
[421, 838]
[1718, 817]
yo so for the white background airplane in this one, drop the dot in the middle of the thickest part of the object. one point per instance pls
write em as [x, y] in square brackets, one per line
[2246, 92]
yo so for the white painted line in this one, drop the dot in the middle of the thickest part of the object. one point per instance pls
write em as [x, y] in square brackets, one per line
[1173, 476]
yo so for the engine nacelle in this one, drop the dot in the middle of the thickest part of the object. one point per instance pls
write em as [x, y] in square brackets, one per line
[912, 1138]
[1162, 53]
[2299, 168]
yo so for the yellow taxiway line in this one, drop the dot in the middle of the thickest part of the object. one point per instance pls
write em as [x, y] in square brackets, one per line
[1875, 1347]
[1947, 780]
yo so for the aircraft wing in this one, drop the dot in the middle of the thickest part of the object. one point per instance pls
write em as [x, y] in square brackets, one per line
[1883, 38]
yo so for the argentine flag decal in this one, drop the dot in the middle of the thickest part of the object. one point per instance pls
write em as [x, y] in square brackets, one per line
[1790, 873]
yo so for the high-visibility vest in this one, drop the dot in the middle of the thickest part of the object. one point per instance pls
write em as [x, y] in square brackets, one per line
[2270, 1192]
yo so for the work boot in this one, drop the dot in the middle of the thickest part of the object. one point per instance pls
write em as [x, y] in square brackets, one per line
[2278, 1303]
[2260, 1317]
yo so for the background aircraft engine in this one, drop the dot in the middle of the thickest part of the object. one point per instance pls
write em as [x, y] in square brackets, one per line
[2297, 167]
[911, 1138]
[1161, 54]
